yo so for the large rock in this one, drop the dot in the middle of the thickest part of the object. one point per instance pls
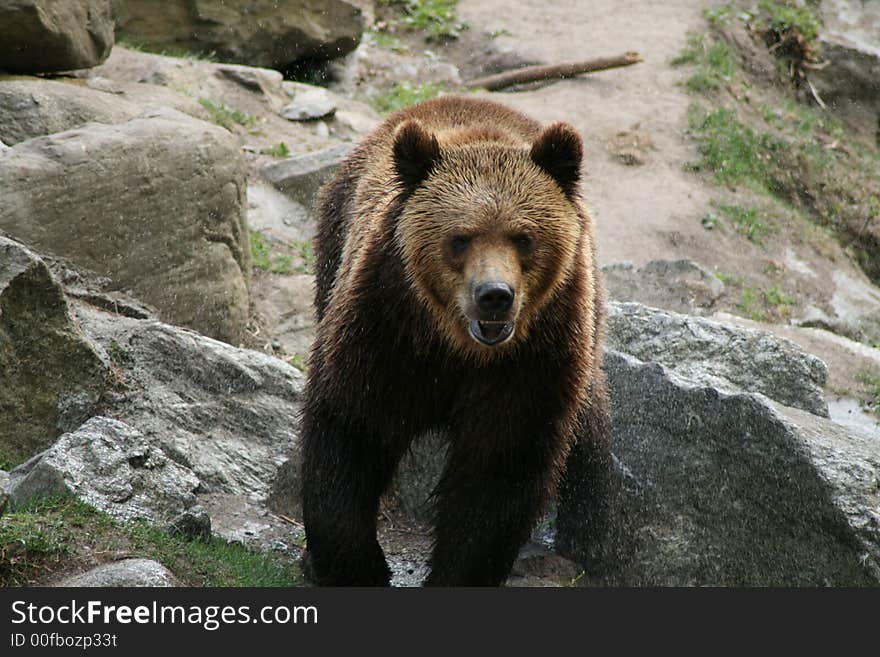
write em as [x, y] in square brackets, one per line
[39, 36]
[719, 355]
[255, 32]
[157, 204]
[227, 414]
[50, 374]
[112, 466]
[124, 573]
[189, 415]
[301, 176]
[733, 489]
[31, 107]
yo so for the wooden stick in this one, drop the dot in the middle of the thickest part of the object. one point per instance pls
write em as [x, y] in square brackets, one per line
[553, 71]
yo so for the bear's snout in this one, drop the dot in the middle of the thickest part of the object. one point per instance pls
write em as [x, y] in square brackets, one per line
[494, 300]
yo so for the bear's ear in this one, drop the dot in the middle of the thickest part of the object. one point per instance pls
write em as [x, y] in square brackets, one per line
[558, 150]
[416, 152]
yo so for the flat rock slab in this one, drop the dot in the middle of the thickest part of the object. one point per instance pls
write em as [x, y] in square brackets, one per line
[125, 573]
[40, 36]
[157, 204]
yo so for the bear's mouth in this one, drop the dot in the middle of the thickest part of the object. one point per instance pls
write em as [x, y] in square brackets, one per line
[490, 333]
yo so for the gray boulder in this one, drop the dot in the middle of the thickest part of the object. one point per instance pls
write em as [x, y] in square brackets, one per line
[724, 489]
[33, 108]
[157, 204]
[113, 467]
[125, 573]
[229, 415]
[255, 32]
[50, 374]
[722, 356]
[189, 414]
[301, 177]
[40, 36]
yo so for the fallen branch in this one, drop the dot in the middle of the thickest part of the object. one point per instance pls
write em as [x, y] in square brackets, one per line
[553, 71]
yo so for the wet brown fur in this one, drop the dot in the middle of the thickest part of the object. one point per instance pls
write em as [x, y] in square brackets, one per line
[393, 358]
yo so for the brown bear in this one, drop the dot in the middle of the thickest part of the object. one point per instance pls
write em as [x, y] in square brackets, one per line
[457, 292]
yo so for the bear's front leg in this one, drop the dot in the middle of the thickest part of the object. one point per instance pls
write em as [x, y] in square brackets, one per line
[585, 528]
[345, 471]
[486, 508]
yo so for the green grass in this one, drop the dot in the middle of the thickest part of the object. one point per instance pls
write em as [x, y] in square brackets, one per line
[785, 156]
[299, 259]
[746, 221]
[782, 17]
[64, 534]
[404, 94]
[769, 304]
[260, 255]
[714, 60]
[729, 149]
[298, 361]
[279, 150]
[718, 16]
[749, 305]
[437, 19]
[226, 116]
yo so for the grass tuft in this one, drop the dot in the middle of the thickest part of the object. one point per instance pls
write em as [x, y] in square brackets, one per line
[279, 150]
[404, 94]
[715, 62]
[298, 258]
[438, 19]
[746, 221]
[227, 117]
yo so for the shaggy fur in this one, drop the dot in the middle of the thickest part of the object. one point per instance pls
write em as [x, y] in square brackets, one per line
[444, 195]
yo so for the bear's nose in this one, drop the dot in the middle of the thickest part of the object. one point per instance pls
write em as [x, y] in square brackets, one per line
[494, 298]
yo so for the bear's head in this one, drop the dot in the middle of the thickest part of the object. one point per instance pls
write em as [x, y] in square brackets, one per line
[489, 228]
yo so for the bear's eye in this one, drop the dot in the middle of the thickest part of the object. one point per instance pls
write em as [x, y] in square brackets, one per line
[458, 244]
[522, 241]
